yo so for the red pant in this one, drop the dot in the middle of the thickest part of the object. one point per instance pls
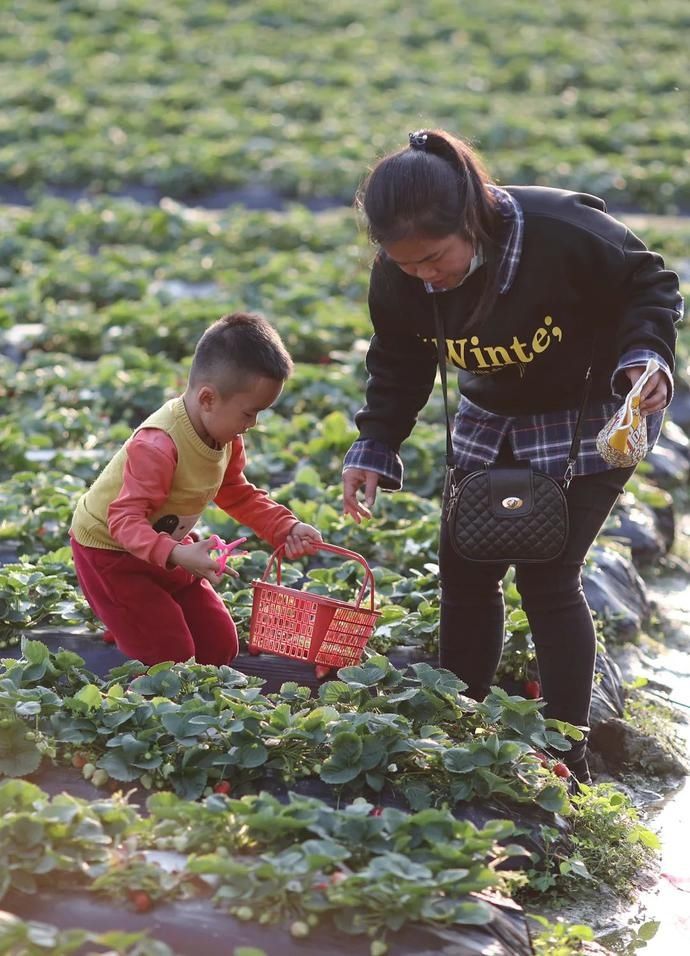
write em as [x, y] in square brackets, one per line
[155, 614]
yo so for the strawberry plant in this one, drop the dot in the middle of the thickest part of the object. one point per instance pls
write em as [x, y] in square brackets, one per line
[187, 727]
[34, 595]
[36, 509]
[49, 842]
[33, 938]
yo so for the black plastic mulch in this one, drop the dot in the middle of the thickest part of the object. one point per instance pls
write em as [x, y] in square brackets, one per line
[195, 928]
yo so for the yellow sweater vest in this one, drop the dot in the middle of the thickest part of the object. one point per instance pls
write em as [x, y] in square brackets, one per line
[198, 477]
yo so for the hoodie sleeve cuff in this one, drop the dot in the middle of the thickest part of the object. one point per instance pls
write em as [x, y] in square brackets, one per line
[620, 383]
[373, 455]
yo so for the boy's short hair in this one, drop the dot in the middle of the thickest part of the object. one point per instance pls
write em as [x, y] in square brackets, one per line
[234, 349]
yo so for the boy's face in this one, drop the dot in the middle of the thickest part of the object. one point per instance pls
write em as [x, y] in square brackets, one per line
[226, 418]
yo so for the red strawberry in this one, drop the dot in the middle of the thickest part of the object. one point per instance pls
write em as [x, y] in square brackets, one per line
[532, 689]
[223, 786]
[141, 900]
[561, 770]
[79, 760]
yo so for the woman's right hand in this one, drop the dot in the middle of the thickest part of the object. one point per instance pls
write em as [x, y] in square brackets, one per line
[353, 480]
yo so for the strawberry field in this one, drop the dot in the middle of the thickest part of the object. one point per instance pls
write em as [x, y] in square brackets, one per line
[246, 809]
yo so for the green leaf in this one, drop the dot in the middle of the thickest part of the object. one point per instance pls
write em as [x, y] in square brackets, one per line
[418, 794]
[363, 675]
[27, 833]
[251, 754]
[375, 780]
[335, 773]
[459, 760]
[190, 784]
[72, 730]
[438, 679]
[89, 695]
[646, 837]
[335, 692]
[163, 683]
[347, 747]
[118, 765]
[35, 652]
[18, 755]
[648, 930]
[552, 798]
[473, 914]
[68, 660]
[18, 795]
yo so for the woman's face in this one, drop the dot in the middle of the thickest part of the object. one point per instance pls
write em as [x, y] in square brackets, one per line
[441, 262]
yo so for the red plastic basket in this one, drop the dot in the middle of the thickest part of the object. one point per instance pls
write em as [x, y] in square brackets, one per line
[311, 627]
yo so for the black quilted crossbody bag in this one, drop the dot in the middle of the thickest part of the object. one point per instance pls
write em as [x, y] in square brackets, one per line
[506, 512]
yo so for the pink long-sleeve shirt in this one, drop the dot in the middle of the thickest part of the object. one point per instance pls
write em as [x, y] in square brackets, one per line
[147, 480]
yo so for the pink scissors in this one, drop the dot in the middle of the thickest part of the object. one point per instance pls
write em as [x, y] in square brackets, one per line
[225, 549]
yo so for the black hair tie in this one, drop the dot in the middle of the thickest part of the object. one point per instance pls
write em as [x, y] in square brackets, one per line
[419, 140]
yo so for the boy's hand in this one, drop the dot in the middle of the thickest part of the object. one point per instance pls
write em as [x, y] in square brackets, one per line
[196, 559]
[303, 539]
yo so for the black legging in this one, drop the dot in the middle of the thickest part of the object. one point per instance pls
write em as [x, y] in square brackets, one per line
[472, 608]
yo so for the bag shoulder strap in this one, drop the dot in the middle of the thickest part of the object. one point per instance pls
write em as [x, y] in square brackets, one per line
[577, 433]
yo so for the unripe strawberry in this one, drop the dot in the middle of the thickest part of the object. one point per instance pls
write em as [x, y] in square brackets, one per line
[99, 777]
[299, 929]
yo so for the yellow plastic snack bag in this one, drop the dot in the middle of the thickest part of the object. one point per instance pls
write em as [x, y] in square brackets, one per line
[623, 439]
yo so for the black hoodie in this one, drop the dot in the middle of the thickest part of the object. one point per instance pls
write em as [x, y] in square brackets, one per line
[581, 272]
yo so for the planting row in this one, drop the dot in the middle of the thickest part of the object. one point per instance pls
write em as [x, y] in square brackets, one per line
[364, 868]
[184, 101]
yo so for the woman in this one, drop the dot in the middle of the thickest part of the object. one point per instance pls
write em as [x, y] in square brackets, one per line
[532, 285]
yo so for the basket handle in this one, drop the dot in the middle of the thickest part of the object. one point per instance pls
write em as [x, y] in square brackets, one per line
[277, 557]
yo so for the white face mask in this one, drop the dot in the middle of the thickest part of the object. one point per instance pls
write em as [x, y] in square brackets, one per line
[476, 261]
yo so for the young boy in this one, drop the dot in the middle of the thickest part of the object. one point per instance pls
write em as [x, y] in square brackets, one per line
[139, 567]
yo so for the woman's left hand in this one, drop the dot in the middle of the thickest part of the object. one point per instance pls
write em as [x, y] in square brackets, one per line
[655, 392]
